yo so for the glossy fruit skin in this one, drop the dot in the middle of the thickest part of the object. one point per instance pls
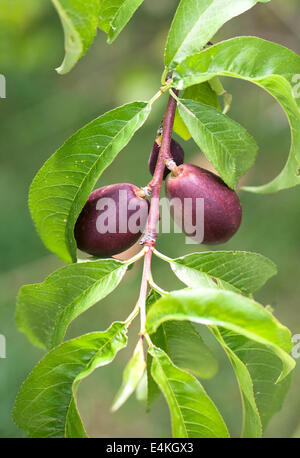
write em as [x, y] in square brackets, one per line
[222, 207]
[177, 154]
[107, 244]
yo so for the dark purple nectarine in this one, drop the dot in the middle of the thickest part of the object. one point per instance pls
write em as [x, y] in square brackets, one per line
[177, 153]
[222, 208]
[112, 220]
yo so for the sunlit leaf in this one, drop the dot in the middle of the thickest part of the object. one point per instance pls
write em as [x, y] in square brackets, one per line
[115, 14]
[196, 22]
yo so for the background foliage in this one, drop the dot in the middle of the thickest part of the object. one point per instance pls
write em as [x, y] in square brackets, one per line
[42, 109]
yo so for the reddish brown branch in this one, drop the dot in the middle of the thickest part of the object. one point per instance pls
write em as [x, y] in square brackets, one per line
[144, 288]
[156, 182]
[153, 218]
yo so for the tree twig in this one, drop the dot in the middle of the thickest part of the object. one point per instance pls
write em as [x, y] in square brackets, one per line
[155, 185]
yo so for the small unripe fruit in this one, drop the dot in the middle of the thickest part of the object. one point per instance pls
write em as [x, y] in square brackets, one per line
[222, 208]
[177, 153]
[112, 220]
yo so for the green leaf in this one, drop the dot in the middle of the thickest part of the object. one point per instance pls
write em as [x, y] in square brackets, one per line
[251, 420]
[227, 309]
[196, 22]
[62, 186]
[46, 403]
[193, 414]
[187, 349]
[184, 345]
[142, 390]
[245, 272]
[79, 20]
[132, 376]
[180, 128]
[264, 367]
[265, 64]
[201, 93]
[226, 144]
[45, 310]
[115, 14]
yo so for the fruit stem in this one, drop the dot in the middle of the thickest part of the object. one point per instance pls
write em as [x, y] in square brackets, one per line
[150, 235]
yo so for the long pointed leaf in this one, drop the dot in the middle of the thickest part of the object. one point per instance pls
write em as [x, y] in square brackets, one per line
[245, 272]
[251, 420]
[197, 21]
[184, 346]
[193, 414]
[132, 375]
[227, 309]
[264, 368]
[202, 93]
[62, 186]
[227, 145]
[45, 310]
[46, 403]
[265, 64]
[79, 20]
[114, 15]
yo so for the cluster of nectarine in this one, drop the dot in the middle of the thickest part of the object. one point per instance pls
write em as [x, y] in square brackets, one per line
[185, 182]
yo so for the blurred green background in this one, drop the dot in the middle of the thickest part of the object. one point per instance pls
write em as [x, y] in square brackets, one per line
[43, 109]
